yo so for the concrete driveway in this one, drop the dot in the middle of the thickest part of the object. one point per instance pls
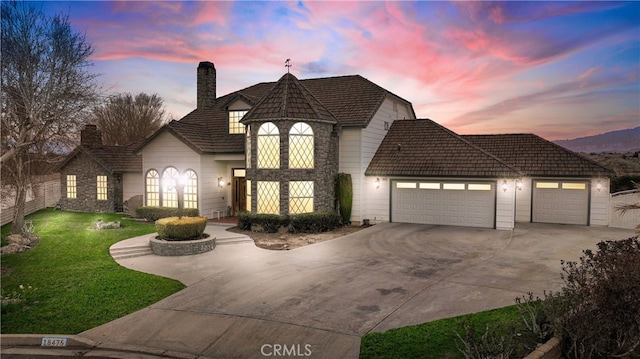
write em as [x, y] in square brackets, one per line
[246, 302]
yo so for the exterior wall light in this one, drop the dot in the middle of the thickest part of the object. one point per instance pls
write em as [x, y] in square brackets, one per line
[504, 185]
[599, 186]
[519, 184]
[377, 183]
[220, 182]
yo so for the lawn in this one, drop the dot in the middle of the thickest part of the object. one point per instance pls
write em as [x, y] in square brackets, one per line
[69, 283]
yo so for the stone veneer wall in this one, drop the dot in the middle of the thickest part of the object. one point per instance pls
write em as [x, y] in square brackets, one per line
[86, 171]
[323, 174]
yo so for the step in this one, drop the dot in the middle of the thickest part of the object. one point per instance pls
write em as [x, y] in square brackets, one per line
[233, 240]
[130, 252]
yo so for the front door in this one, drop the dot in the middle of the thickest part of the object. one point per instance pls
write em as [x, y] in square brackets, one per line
[239, 189]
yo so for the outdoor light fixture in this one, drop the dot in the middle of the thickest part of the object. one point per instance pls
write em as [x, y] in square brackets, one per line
[599, 186]
[220, 182]
[519, 184]
[377, 183]
[504, 185]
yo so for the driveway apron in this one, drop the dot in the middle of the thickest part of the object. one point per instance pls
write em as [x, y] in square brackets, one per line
[317, 301]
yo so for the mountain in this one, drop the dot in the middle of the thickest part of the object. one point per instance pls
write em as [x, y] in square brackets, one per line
[615, 141]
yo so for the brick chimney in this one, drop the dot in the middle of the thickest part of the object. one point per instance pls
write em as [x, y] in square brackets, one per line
[206, 85]
[90, 136]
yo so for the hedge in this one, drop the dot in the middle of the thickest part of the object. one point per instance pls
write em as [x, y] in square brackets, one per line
[315, 222]
[181, 229]
[153, 214]
[268, 223]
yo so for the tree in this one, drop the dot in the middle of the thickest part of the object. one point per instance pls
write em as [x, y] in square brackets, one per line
[124, 118]
[46, 89]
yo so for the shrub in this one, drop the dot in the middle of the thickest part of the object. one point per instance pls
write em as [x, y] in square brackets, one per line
[152, 214]
[344, 192]
[181, 229]
[597, 312]
[263, 222]
[244, 220]
[315, 222]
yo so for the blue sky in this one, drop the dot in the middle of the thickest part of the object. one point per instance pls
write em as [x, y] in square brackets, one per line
[558, 69]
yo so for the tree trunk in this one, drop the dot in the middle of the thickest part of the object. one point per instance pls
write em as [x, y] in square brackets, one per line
[21, 181]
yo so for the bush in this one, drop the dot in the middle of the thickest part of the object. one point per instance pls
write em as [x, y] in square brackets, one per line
[597, 313]
[268, 223]
[181, 229]
[153, 214]
[315, 222]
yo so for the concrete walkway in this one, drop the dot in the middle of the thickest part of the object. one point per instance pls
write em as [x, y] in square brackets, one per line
[245, 302]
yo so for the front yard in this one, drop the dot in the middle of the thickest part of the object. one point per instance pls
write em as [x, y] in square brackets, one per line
[69, 283]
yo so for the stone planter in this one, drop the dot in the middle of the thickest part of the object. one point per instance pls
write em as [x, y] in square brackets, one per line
[181, 248]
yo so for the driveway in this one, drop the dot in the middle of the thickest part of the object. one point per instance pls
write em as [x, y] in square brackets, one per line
[246, 302]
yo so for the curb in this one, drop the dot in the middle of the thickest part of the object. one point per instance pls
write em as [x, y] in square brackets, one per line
[30, 346]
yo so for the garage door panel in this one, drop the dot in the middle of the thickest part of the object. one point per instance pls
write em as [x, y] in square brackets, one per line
[561, 205]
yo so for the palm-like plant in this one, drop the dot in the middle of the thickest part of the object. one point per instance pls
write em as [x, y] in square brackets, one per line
[624, 208]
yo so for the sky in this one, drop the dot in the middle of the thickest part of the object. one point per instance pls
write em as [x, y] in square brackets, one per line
[558, 69]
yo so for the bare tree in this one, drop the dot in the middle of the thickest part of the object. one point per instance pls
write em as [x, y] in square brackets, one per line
[124, 118]
[46, 89]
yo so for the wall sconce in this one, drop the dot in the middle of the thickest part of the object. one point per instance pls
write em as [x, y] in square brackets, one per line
[599, 186]
[220, 182]
[519, 184]
[504, 185]
[377, 183]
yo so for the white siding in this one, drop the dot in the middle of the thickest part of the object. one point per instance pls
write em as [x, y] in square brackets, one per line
[132, 185]
[212, 198]
[505, 204]
[523, 201]
[350, 162]
[599, 215]
[631, 219]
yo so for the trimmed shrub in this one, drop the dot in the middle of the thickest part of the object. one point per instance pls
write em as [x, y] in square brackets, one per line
[315, 222]
[244, 220]
[181, 229]
[153, 214]
[262, 222]
[344, 194]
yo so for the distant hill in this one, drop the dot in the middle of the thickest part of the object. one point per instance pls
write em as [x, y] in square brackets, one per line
[615, 141]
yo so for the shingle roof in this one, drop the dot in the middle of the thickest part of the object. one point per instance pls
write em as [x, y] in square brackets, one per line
[112, 158]
[289, 99]
[425, 148]
[537, 156]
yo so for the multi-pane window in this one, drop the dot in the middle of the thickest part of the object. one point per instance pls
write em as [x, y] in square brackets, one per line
[101, 188]
[268, 146]
[248, 151]
[300, 197]
[268, 197]
[301, 146]
[235, 127]
[72, 189]
[249, 195]
[170, 177]
[152, 187]
[190, 189]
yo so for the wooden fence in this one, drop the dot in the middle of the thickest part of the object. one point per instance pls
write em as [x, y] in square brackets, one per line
[44, 194]
[629, 220]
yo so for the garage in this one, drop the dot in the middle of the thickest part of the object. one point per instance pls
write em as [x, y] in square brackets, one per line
[469, 204]
[564, 202]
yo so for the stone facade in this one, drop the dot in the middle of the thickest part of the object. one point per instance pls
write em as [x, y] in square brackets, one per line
[323, 174]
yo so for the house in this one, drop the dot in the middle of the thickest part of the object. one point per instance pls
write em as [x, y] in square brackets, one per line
[99, 178]
[276, 147]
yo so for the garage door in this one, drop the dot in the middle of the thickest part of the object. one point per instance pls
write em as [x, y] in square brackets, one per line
[470, 204]
[561, 202]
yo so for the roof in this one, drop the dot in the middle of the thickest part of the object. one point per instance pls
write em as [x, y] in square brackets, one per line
[288, 98]
[538, 157]
[112, 158]
[424, 148]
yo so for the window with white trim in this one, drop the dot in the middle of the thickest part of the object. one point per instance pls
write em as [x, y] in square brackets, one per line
[101, 188]
[235, 127]
[72, 189]
[170, 177]
[190, 189]
[152, 188]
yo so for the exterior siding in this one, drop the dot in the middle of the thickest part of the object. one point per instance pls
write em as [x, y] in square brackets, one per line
[523, 201]
[505, 204]
[350, 162]
[599, 213]
[132, 184]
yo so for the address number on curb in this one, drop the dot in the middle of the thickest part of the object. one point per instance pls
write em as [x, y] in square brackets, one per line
[53, 342]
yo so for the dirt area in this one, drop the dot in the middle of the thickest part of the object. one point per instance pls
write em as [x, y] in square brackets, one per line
[285, 241]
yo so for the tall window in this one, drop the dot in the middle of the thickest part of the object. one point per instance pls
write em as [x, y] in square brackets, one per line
[170, 177]
[248, 151]
[235, 127]
[152, 187]
[101, 188]
[268, 197]
[301, 146]
[268, 146]
[191, 189]
[300, 197]
[249, 195]
[72, 189]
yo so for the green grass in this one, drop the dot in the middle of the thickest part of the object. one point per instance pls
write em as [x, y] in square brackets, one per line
[76, 285]
[435, 339]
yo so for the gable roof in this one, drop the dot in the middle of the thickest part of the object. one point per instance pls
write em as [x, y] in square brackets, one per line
[538, 157]
[289, 99]
[112, 158]
[425, 148]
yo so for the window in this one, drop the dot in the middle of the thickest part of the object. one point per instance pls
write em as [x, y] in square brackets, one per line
[268, 197]
[235, 127]
[239, 172]
[249, 195]
[101, 188]
[547, 185]
[72, 189]
[248, 151]
[268, 146]
[190, 189]
[301, 146]
[170, 177]
[570, 185]
[152, 188]
[300, 197]
[454, 186]
[430, 185]
[406, 185]
[479, 187]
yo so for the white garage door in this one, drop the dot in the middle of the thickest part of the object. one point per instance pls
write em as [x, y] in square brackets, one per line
[470, 204]
[561, 202]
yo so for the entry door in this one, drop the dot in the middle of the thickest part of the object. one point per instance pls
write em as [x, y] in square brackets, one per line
[239, 195]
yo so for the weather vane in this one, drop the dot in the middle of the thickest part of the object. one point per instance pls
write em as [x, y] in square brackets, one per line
[287, 64]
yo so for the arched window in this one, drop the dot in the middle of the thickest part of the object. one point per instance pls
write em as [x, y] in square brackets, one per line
[301, 146]
[268, 146]
[152, 188]
[170, 177]
[248, 147]
[190, 189]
